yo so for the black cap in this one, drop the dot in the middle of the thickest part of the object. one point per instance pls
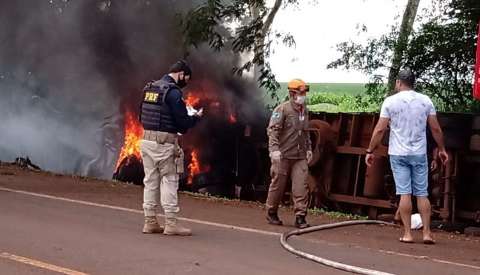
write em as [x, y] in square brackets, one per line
[407, 77]
[180, 66]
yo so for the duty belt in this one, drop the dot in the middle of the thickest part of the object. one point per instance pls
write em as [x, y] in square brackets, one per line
[160, 137]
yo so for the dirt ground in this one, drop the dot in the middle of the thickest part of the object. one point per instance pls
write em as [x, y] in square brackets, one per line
[450, 247]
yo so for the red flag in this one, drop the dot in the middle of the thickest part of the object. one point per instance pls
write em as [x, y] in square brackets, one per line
[476, 85]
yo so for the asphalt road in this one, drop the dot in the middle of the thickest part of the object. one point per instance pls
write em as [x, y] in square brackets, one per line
[47, 236]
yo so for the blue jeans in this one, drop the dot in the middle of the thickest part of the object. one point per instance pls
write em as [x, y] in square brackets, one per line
[410, 174]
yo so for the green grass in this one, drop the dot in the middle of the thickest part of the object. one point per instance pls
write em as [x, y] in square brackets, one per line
[334, 88]
[335, 215]
[324, 107]
[313, 211]
[348, 89]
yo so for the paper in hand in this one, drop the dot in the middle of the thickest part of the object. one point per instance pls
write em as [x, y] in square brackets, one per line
[191, 111]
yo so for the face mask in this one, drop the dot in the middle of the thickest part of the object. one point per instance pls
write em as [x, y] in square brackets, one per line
[181, 83]
[300, 99]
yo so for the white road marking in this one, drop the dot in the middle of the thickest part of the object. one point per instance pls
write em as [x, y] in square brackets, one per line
[40, 264]
[220, 225]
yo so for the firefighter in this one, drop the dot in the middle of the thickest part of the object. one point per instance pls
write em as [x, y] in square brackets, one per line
[163, 115]
[290, 151]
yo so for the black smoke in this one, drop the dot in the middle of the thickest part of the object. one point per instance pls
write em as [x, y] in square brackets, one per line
[69, 70]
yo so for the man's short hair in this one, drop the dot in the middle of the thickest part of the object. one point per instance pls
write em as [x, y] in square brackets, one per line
[180, 66]
[407, 77]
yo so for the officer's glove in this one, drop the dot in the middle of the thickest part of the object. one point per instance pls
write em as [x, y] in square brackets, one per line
[275, 156]
[309, 156]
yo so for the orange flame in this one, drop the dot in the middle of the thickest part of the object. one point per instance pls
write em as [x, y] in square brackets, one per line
[232, 119]
[192, 100]
[133, 136]
[194, 168]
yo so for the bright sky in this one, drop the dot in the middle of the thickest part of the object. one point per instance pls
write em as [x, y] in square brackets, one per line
[317, 28]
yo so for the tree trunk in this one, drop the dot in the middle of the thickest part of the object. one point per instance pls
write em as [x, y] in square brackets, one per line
[255, 11]
[268, 22]
[405, 31]
[260, 45]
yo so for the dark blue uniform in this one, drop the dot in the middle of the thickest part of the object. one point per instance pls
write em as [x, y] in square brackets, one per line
[163, 108]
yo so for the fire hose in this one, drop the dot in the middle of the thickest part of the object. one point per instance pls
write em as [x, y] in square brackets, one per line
[330, 263]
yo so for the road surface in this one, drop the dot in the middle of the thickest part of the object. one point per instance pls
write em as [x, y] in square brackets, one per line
[84, 229]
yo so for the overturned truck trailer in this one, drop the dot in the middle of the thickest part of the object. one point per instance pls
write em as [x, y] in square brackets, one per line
[341, 180]
[233, 162]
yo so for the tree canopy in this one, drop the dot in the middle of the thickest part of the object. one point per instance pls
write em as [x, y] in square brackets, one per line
[441, 51]
[240, 26]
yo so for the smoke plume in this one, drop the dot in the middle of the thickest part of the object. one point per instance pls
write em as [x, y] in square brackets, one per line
[70, 69]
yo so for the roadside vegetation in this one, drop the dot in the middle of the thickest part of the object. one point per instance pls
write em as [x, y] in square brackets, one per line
[312, 211]
[439, 48]
[334, 97]
[353, 98]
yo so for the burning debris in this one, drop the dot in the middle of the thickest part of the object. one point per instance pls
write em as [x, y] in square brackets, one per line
[86, 92]
[232, 119]
[216, 162]
[195, 167]
[220, 153]
[71, 90]
[129, 166]
[130, 169]
[133, 136]
[192, 101]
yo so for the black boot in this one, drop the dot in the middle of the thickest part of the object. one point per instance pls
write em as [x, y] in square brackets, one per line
[300, 222]
[272, 218]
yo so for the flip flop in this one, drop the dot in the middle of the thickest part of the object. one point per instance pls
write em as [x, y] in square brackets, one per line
[428, 241]
[402, 240]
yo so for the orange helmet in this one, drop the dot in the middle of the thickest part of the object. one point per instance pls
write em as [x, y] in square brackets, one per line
[298, 85]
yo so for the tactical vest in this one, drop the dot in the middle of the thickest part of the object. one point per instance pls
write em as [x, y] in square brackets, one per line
[155, 115]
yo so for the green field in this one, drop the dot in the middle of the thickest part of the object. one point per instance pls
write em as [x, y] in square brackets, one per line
[335, 88]
[333, 92]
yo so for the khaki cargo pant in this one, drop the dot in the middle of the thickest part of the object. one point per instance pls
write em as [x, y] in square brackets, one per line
[162, 164]
[297, 171]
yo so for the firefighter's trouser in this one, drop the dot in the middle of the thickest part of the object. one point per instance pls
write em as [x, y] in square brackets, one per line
[281, 171]
[162, 164]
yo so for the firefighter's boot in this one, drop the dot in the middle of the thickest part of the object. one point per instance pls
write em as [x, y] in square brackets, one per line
[151, 225]
[301, 222]
[173, 228]
[272, 218]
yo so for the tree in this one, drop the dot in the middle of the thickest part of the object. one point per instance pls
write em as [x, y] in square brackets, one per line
[208, 23]
[441, 52]
[405, 30]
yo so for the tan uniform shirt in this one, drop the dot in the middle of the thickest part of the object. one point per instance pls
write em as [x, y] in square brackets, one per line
[288, 133]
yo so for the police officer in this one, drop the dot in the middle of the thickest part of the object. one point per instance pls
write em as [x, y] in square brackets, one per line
[163, 115]
[290, 152]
